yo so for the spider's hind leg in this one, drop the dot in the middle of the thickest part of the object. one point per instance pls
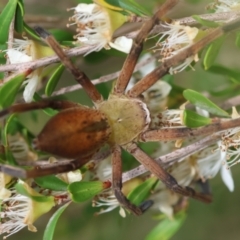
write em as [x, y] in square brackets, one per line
[164, 176]
[44, 170]
[117, 186]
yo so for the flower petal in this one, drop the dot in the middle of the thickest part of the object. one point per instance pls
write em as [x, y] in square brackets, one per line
[16, 56]
[31, 88]
[122, 44]
[227, 178]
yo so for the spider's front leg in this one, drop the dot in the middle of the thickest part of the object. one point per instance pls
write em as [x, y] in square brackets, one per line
[131, 60]
[117, 185]
[48, 103]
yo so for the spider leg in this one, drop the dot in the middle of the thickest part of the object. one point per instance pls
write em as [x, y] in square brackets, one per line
[24, 107]
[171, 134]
[164, 176]
[147, 81]
[80, 76]
[44, 170]
[117, 185]
[137, 47]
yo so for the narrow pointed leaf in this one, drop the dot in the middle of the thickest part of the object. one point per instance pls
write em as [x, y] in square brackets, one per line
[49, 231]
[48, 111]
[192, 119]
[5, 131]
[31, 32]
[62, 35]
[2, 57]
[232, 74]
[126, 5]
[6, 17]
[21, 188]
[142, 192]
[51, 182]
[237, 41]
[53, 81]
[201, 101]
[83, 191]
[212, 52]
[18, 25]
[205, 22]
[167, 228]
[10, 89]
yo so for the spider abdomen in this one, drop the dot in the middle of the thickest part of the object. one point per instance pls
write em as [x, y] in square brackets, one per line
[128, 118]
[74, 133]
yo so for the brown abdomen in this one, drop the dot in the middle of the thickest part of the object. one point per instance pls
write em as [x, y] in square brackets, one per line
[73, 133]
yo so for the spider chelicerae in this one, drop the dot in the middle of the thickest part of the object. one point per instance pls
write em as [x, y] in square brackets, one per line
[78, 132]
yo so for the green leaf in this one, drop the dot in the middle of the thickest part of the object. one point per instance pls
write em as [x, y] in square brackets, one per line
[142, 192]
[233, 74]
[6, 17]
[2, 57]
[6, 129]
[226, 91]
[48, 111]
[201, 101]
[167, 227]
[21, 188]
[18, 24]
[53, 80]
[8, 125]
[51, 182]
[62, 35]
[50, 228]
[129, 5]
[192, 119]
[237, 41]
[212, 52]
[205, 22]
[10, 89]
[82, 191]
[31, 32]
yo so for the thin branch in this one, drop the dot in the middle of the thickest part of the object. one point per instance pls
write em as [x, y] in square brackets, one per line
[102, 79]
[84, 49]
[223, 17]
[176, 156]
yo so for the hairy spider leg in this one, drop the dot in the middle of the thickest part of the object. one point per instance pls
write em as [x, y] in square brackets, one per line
[147, 81]
[117, 185]
[80, 76]
[132, 58]
[164, 176]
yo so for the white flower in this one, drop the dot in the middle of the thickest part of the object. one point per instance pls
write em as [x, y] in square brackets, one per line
[4, 180]
[225, 5]
[13, 213]
[178, 37]
[230, 144]
[23, 51]
[122, 44]
[19, 211]
[70, 177]
[106, 199]
[164, 201]
[171, 118]
[95, 26]
[211, 161]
